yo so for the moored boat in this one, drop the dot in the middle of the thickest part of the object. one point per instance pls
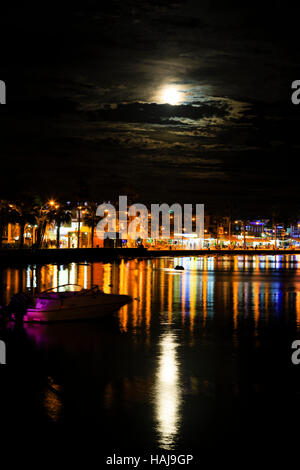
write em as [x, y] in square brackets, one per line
[72, 305]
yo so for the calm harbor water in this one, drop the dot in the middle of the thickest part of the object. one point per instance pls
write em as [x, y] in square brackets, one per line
[200, 360]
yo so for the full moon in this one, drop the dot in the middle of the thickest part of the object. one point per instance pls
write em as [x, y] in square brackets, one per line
[171, 95]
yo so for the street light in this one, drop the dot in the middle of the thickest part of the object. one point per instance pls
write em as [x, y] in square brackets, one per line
[79, 208]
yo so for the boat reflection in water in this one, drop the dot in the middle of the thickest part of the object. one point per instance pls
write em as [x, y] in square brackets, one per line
[180, 362]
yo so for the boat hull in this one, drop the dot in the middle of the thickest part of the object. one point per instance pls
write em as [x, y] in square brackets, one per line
[72, 311]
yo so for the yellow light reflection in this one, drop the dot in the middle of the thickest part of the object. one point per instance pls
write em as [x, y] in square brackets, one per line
[193, 298]
[298, 310]
[167, 392]
[256, 306]
[204, 298]
[148, 299]
[235, 305]
[183, 294]
[107, 278]
[53, 403]
[170, 298]
[123, 313]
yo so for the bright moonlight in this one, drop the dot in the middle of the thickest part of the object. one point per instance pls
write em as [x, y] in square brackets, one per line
[170, 95]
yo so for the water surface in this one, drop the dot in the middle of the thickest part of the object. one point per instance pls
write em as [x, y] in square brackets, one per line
[200, 360]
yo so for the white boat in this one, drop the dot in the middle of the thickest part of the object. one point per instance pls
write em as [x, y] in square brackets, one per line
[71, 305]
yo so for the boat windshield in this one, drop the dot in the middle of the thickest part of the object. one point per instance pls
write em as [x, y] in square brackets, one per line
[64, 288]
[67, 290]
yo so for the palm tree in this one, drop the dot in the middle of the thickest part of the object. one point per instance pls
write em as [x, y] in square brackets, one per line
[61, 215]
[7, 214]
[3, 218]
[90, 219]
[47, 213]
[27, 213]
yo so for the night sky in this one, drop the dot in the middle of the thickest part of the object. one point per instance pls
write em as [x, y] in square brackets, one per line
[85, 115]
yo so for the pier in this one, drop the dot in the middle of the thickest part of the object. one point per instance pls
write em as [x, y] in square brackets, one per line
[65, 255]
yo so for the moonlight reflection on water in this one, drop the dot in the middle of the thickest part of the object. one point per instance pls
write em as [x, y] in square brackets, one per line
[167, 391]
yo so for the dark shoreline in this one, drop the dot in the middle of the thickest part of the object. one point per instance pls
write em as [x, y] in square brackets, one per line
[64, 255]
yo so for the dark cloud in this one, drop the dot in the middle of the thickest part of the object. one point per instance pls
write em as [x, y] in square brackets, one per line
[158, 113]
[83, 87]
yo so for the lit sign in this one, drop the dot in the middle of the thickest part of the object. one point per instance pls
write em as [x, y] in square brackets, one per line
[186, 235]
